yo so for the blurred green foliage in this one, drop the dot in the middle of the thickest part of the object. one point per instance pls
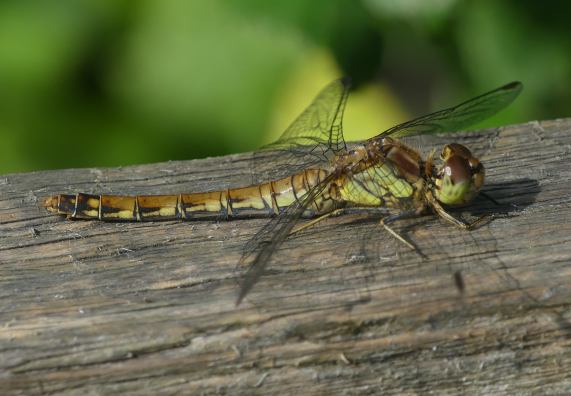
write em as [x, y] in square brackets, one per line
[110, 82]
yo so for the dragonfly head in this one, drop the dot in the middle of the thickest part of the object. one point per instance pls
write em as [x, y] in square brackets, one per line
[460, 177]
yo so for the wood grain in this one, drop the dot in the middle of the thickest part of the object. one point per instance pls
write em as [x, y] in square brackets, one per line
[125, 308]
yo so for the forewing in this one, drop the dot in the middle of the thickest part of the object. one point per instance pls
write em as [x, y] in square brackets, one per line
[458, 117]
[263, 245]
[311, 140]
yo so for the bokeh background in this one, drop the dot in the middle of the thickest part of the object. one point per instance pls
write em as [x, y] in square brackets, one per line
[111, 82]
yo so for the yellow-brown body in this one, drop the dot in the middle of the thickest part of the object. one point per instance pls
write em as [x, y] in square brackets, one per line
[261, 200]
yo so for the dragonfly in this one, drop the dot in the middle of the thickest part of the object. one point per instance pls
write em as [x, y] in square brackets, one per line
[325, 178]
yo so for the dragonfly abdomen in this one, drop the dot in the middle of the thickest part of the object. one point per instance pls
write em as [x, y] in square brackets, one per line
[261, 200]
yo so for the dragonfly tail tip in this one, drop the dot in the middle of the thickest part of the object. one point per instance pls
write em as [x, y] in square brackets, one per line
[50, 203]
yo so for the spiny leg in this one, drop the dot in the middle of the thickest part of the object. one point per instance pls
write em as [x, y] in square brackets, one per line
[400, 216]
[458, 222]
[302, 227]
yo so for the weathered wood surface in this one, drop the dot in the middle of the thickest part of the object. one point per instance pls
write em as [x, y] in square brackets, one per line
[106, 308]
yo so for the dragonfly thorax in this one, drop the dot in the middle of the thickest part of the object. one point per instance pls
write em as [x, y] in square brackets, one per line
[383, 172]
[460, 177]
[351, 160]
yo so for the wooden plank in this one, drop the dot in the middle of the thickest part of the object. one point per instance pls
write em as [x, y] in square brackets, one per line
[107, 308]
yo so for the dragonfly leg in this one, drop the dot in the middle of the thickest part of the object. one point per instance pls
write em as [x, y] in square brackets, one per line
[302, 227]
[459, 222]
[400, 216]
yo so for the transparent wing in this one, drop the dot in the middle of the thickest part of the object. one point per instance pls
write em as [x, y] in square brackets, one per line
[311, 140]
[458, 117]
[263, 245]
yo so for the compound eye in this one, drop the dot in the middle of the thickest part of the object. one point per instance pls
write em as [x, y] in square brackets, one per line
[458, 169]
[455, 149]
[460, 150]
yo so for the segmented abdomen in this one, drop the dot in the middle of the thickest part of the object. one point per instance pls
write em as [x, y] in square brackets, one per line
[255, 201]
